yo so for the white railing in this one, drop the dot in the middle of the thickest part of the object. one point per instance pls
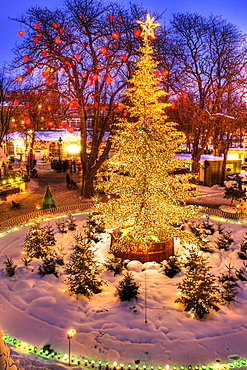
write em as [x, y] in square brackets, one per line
[22, 219]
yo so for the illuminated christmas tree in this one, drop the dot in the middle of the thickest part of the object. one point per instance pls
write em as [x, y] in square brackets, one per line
[148, 201]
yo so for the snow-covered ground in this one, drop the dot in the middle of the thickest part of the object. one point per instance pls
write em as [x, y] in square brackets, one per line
[39, 311]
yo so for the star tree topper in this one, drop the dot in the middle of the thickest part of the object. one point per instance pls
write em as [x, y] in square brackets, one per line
[148, 26]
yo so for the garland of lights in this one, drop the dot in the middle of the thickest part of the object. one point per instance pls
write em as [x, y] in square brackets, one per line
[65, 359]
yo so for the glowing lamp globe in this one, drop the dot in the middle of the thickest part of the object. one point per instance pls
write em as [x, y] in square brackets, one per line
[19, 78]
[21, 33]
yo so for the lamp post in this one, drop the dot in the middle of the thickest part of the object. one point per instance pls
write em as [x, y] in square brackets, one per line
[59, 148]
[70, 334]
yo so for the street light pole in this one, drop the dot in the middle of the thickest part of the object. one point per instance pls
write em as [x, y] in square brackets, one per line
[70, 335]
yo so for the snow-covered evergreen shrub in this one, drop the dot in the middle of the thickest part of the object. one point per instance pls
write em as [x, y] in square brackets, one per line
[10, 267]
[128, 289]
[39, 241]
[114, 264]
[48, 267]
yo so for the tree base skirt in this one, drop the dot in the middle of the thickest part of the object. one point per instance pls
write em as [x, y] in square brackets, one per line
[157, 252]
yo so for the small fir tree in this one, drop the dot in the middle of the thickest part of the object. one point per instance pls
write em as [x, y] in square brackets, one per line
[220, 228]
[148, 198]
[228, 285]
[234, 190]
[128, 289]
[199, 291]
[48, 267]
[241, 272]
[10, 267]
[243, 248]
[61, 225]
[225, 241]
[94, 227]
[172, 266]
[39, 241]
[71, 222]
[208, 227]
[114, 264]
[83, 269]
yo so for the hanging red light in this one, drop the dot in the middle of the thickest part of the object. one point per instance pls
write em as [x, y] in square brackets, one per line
[48, 81]
[37, 26]
[152, 37]
[27, 120]
[28, 104]
[77, 57]
[21, 33]
[124, 57]
[29, 70]
[16, 102]
[96, 104]
[93, 77]
[85, 44]
[109, 80]
[90, 83]
[40, 34]
[73, 104]
[45, 74]
[50, 123]
[49, 108]
[44, 53]
[115, 35]
[55, 25]
[82, 16]
[71, 129]
[62, 31]
[156, 73]
[57, 40]
[125, 113]
[36, 40]
[103, 109]
[19, 78]
[120, 18]
[104, 50]
[111, 17]
[120, 107]
[25, 58]
[137, 32]
[164, 72]
[60, 126]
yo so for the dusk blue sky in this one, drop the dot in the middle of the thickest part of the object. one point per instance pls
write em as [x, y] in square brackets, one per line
[235, 11]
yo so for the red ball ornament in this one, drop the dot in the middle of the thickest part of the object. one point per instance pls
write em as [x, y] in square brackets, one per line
[25, 58]
[137, 32]
[115, 35]
[37, 26]
[57, 40]
[21, 33]
[44, 53]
